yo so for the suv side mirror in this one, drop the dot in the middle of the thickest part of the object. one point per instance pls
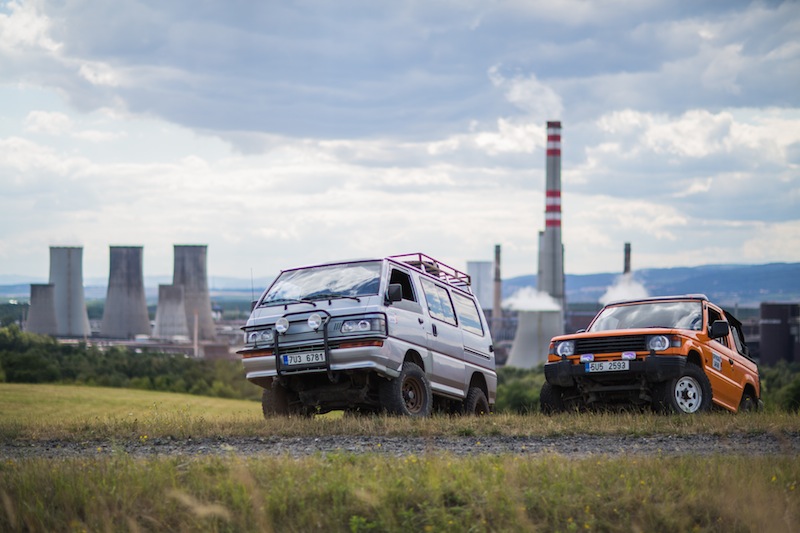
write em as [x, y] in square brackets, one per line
[395, 292]
[720, 328]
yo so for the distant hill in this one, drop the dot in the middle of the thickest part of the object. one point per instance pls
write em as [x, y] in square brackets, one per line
[743, 285]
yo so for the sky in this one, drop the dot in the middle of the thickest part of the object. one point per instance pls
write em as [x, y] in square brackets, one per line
[289, 133]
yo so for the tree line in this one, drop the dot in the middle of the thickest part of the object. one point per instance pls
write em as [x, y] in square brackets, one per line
[31, 358]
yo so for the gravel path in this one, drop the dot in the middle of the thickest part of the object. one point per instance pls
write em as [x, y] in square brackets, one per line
[571, 446]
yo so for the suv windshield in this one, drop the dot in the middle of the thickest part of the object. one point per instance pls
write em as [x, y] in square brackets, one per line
[349, 280]
[673, 315]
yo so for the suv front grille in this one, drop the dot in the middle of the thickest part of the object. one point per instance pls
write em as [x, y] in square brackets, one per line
[627, 343]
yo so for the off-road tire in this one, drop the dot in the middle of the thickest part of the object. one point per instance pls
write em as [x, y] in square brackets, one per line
[749, 404]
[409, 394]
[551, 399]
[690, 393]
[476, 402]
[275, 401]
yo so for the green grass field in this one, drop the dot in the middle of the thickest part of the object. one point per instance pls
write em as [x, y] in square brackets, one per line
[371, 492]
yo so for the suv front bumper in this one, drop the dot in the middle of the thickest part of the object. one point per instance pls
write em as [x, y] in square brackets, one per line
[654, 368]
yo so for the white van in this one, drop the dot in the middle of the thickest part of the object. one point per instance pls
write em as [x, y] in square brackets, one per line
[403, 334]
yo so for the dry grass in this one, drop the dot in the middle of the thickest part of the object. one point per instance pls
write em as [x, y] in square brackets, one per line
[435, 492]
[78, 413]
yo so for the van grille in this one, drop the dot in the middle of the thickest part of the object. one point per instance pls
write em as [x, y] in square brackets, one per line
[626, 343]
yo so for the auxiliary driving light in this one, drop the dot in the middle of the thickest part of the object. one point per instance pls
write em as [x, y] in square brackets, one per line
[314, 321]
[587, 358]
[282, 325]
[628, 356]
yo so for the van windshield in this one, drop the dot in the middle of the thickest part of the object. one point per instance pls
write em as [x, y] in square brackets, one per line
[348, 280]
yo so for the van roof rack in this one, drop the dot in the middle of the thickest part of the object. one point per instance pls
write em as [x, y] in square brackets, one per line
[436, 269]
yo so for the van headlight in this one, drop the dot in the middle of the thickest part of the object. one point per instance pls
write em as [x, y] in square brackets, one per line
[259, 336]
[363, 325]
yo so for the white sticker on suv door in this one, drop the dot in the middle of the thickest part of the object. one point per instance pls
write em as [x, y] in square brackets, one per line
[716, 361]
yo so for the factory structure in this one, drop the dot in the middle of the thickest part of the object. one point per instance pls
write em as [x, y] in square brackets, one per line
[183, 323]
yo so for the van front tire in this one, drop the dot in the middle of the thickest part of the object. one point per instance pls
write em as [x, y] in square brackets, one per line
[409, 394]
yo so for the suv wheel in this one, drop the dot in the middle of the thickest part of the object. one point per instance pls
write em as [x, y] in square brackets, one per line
[551, 399]
[748, 403]
[690, 393]
[476, 402]
[409, 393]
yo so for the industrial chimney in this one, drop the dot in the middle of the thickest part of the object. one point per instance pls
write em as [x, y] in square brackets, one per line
[550, 278]
[627, 267]
[125, 313]
[497, 311]
[66, 274]
[190, 272]
[42, 312]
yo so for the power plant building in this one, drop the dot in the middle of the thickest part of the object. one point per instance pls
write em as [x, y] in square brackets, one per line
[66, 276]
[480, 273]
[125, 314]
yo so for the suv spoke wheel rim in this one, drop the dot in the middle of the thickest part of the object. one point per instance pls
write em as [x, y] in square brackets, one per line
[412, 395]
[688, 394]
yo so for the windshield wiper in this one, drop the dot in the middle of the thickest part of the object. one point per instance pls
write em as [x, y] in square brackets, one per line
[286, 302]
[333, 296]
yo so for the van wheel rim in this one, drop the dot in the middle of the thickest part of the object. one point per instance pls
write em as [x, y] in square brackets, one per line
[413, 395]
[688, 394]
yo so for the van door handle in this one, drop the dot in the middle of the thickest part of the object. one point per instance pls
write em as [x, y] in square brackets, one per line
[435, 333]
[421, 321]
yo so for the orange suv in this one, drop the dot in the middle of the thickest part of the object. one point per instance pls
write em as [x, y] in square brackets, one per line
[678, 354]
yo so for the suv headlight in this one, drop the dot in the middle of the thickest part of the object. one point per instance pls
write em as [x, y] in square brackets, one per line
[658, 343]
[565, 348]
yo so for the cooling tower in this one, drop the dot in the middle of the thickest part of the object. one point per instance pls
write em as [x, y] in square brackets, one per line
[42, 312]
[170, 313]
[125, 313]
[66, 274]
[532, 341]
[190, 272]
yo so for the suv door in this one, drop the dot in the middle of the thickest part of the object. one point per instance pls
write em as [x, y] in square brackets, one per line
[445, 342]
[722, 374]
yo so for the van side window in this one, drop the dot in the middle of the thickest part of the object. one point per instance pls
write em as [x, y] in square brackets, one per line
[468, 314]
[439, 305]
[404, 280]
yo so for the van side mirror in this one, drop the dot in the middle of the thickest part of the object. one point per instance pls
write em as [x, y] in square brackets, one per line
[395, 292]
[720, 328]
[253, 305]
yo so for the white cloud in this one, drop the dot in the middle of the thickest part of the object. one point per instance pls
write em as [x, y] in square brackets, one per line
[46, 122]
[25, 28]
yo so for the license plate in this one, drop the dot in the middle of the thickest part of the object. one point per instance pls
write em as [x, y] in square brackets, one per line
[303, 358]
[607, 366]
